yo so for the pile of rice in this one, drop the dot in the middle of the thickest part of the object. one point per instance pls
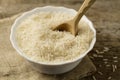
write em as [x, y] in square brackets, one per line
[40, 43]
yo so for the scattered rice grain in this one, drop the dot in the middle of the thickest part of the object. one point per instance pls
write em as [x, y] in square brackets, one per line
[108, 65]
[95, 55]
[94, 78]
[105, 62]
[113, 68]
[115, 61]
[101, 52]
[109, 77]
[105, 59]
[115, 57]
[97, 51]
[91, 57]
[106, 49]
[101, 56]
[100, 73]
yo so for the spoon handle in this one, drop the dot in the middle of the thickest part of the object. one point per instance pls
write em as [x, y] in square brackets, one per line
[85, 6]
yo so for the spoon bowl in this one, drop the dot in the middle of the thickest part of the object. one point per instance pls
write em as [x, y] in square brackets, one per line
[71, 25]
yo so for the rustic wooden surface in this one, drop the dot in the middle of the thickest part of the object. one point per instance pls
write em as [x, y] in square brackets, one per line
[105, 14]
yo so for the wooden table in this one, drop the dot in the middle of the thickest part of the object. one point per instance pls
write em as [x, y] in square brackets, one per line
[105, 14]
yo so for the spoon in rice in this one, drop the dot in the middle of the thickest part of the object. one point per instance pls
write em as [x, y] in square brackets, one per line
[72, 25]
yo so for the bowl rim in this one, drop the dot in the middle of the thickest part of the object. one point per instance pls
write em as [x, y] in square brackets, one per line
[14, 44]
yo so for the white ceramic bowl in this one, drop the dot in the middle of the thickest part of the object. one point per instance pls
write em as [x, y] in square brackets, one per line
[57, 68]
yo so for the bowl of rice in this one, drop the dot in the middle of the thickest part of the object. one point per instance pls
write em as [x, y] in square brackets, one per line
[51, 52]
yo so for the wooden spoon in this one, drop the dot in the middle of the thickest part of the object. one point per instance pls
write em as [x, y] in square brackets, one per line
[71, 25]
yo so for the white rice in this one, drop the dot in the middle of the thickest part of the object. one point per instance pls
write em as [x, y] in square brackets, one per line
[40, 43]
